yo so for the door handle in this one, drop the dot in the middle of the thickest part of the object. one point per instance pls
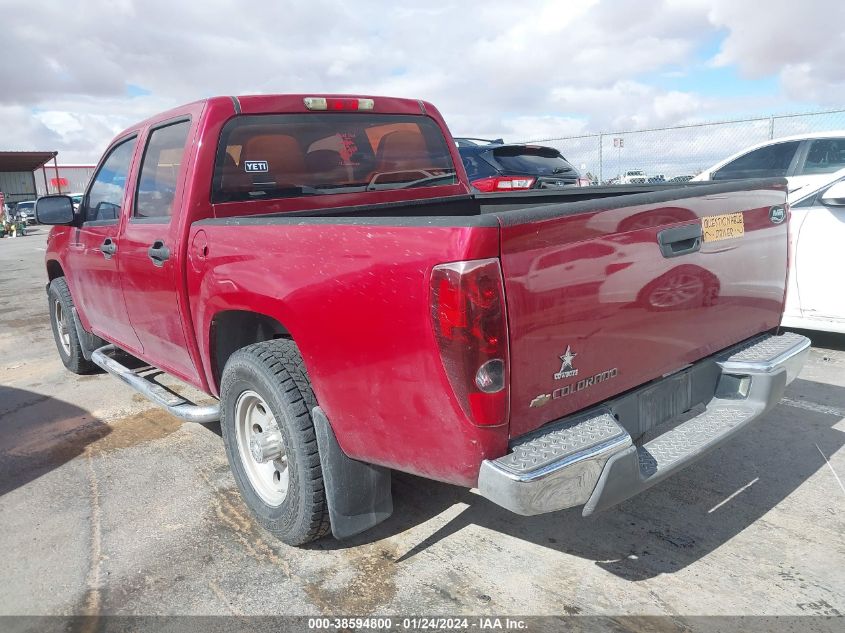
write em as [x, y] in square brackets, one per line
[158, 253]
[108, 248]
[682, 240]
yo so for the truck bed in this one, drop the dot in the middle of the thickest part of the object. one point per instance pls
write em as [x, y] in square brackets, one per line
[593, 306]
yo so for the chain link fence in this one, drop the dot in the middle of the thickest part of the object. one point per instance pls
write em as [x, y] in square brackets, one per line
[684, 150]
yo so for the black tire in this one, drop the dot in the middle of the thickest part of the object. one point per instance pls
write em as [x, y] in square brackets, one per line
[275, 371]
[70, 351]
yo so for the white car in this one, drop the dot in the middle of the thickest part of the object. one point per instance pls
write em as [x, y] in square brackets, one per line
[815, 296]
[805, 160]
[633, 177]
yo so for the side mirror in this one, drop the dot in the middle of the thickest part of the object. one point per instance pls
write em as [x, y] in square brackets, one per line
[54, 210]
[835, 195]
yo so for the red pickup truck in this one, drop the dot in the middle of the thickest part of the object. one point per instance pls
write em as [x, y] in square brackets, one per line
[320, 265]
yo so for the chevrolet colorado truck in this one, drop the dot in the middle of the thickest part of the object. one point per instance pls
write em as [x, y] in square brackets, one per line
[319, 265]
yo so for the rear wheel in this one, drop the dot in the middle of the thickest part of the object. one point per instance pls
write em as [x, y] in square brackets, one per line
[64, 329]
[265, 416]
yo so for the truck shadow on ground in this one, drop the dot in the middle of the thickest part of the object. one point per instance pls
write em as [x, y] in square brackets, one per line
[673, 524]
[39, 433]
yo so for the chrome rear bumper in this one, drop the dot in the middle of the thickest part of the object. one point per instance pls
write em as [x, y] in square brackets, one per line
[591, 459]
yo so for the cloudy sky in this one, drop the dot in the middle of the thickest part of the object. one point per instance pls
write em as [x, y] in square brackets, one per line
[74, 74]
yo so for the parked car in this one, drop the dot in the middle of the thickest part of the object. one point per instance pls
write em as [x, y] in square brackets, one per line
[815, 297]
[656, 179]
[679, 179]
[321, 266]
[633, 177]
[804, 160]
[25, 210]
[499, 166]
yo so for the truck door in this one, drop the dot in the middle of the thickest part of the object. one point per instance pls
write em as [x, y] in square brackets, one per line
[94, 252]
[150, 256]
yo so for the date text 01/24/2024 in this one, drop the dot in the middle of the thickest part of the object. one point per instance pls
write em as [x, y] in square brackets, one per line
[419, 624]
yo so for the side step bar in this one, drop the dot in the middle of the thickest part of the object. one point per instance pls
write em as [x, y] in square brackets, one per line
[179, 407]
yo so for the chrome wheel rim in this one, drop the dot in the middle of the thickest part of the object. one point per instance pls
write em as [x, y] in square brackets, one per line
[261, 448]
[62, 327]
[676, 291]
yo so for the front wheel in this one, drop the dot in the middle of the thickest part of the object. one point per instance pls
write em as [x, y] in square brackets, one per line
[265, 416]
[64, 330]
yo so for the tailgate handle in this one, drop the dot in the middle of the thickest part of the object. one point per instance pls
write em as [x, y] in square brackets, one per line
[680, 241]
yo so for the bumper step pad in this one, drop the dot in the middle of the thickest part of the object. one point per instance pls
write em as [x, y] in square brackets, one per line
[764, 349]
[556, 466]
[559, 442]
[664, 452]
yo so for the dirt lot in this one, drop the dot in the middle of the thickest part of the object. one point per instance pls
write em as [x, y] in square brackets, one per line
[108, 505]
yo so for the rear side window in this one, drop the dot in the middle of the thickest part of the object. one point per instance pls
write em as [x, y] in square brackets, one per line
[824, 156]
[276, 156]
[542, 161]
[105, 197]
[766, 162]
[160, 171]
[476, 166]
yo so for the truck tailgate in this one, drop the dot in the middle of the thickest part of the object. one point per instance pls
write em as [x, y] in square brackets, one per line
[597, 306]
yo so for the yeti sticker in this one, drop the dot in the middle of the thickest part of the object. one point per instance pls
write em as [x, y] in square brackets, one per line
[256, 166]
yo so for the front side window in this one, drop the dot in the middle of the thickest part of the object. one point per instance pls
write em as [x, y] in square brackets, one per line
[160, 171]
[105, 197]
[824, 156]
[277, 156]
[766, 162]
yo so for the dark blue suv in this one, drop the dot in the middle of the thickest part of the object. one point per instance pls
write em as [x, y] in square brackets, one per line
[499, 166]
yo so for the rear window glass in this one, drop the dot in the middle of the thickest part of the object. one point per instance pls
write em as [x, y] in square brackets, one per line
[527, 160]
[290, 155]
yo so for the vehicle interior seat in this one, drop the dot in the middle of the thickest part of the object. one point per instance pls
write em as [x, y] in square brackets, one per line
[402, 150]
[284, 156]
[325, 166]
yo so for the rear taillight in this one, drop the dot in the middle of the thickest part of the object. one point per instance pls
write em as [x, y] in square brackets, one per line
[468, 310]
[503, 183]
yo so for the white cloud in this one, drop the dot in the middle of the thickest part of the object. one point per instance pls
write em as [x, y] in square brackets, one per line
[801, 43]
[529, 70]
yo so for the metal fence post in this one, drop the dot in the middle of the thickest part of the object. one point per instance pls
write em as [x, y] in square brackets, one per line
[771, 127]
[601, 143]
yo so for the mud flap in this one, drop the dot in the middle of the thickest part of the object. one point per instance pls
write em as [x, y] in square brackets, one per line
[358, 494]
[87, 341]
